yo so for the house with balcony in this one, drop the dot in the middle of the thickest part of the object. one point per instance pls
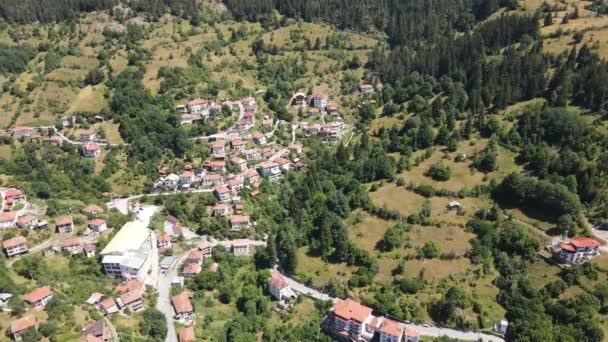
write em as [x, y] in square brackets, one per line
[352, 321]
[15, 246]
[269, 170]
[38, 297]
[184, 311]
[578, 249]
[64, 224]
[91, 150]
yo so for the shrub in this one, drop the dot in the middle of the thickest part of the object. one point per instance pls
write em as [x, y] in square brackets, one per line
[439, 172]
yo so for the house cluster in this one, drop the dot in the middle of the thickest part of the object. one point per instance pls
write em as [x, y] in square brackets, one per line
[12, 197]
[329, 131]
[575, 250]
[319, 103]
[197, 111]
[233, 166]
[182, 306]
[352, 321]
[130, 298]
[194, 261]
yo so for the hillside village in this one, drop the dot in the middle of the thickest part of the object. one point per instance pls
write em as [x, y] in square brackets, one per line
[303, 171]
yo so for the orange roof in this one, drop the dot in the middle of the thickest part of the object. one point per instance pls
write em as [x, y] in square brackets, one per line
[294, 146]
[237, 142]
[23, 323]
[131, 296]
[278, 281]
[63, 220]
[281, 161]
[13, 193]
[348, 309]
[72, 242]
[239, 219]
[197, 102]
[392, 328]
[196, 255]
[16, 241]
[93, 208]
[222, 189]
[218, 144]
[91, 147]
[8, 216]
[38, 294]
[91, 338]
[584, 242]
[186, 334]
[192, 269]
[22, 129]
[181, 303]
[411, 332]
[26, 219]
[107, 303]
[237, 160]
[96, 222]
[130, 285]
[568, 247]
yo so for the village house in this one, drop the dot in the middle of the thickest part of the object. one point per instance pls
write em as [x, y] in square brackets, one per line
[252, 154]
[391, 331]
[195, 257]
[259, 138]
[578, 249]
[91, 150]
[313, 129]
[97, 331]
[186, 334]
[283, 163]
[269, 170]
[27, 222]
[367, 89]
[15, 246]
[454, 205]
[187, 178]
[218, 147]
[184, 312]
[19, 326]
[240, 248]
[351, 319]
[131, 285]
[185, 119]
[38, 297]
[197, 105]
[133, 300]
[298, 100]
[240, 163]
[191, 270]
[14, 196]
[267, 123]
[97, 226]
[72, 246]
[319, 100]
[206, 248]
[164, 241]
[171, 181]
[243, 125]
[249, 101]
[250, 176]
[235, 184]
[212, 179]
[217, 166]
[222, 193]
[333, 109]
[21, 131]
[8, 219]
[65, 224]
[238, 222]
[89, 250]
[92, 210]
[214, 109]
[220, 210]
[54, 140]
[278, 287]
[295, 148]
[108, 306]
[237, 145]
[181, 109]
[87, 135]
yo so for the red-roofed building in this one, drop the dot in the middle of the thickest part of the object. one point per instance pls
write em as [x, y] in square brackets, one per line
[352, 319]
[97, 225]
[39, 297]
[217, 166]
[411, 335]
[164, 241]
[222, 193]
[87, 135]
[91, 150]
[578, 249]
[19, 326]
[54, 140]
[108, 306]
[72, 246]
[186, 334]
[191, 270]
[130, 285]
[278, 287]
[65, 224]
[259, 138]
[184, 312]
[212, 179]
[319, 100]
[367, 88]
[27, 222]
[391, 331]
[238, 145]
[218, 147]
[92, 210]
[295, 148]
[15, 246]
[197, 105]
[8, 219]
[195, 257]
[99, 330]
[21, 131]
[133, 300]
[238, 222]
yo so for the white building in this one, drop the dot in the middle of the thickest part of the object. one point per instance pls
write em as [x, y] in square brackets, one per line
[128, 255]
[279, 288]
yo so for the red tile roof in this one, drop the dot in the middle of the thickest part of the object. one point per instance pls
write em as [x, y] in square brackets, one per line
[186, 334]
[222, 189]
[568, 247]
[348, 309]
[92, 208]
[131, 297]
[8, 216]
[392, 328]
[192, 269]
[239, 219]
[26, 219]
[96, 222]
[16, 241]
[107, 303]
[197, 255]
[584, 242]
[410, 332]
[63, 220]
[130, 285]
[91, 147]
[38, 294]
[278, 281]
[181, 303]
[13, 193]
[23, 323]
[72, 242]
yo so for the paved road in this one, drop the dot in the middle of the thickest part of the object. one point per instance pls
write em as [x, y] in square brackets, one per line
[122, 204]
[425, 331]
[164, 297]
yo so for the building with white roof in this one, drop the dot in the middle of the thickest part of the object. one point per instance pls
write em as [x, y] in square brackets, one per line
[128, 255]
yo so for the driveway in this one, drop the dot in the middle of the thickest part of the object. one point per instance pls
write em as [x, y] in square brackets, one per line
[164, 297]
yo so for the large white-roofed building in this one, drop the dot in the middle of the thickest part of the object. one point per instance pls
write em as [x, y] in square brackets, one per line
[128, 255]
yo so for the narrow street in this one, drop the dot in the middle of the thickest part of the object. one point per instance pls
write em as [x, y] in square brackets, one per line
[164, 297]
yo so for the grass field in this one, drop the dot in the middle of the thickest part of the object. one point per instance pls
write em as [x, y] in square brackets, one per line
[89, 99]
[319, 271]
